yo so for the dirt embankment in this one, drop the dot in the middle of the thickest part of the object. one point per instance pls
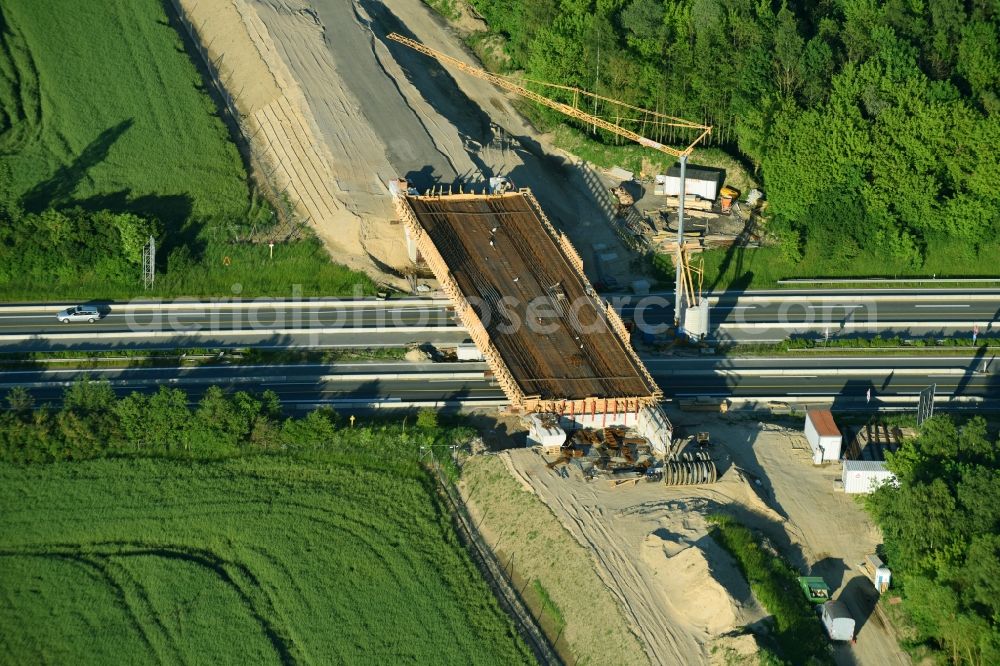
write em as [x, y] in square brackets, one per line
[281, 127]
[532, 543]
[680, 592]
[336, 110]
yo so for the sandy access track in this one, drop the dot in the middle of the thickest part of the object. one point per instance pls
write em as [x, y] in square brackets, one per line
[680, 591]
[337, 110]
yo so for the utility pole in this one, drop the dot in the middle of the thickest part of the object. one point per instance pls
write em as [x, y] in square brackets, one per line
[680, 244]
[149, 263]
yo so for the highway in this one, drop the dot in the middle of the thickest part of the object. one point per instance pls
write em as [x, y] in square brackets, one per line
[844, 378]
[770, 316]
[847, 377]
[294, 384]
[761, 316]
[228, 316]
[370, 323]
[265, 324]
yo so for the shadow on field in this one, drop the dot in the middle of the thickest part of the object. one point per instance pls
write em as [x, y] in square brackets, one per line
[59, 186]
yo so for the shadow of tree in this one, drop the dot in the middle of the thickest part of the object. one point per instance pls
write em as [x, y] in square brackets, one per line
[57, 188]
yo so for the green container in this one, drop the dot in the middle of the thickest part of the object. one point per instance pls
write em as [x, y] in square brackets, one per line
[815, 588]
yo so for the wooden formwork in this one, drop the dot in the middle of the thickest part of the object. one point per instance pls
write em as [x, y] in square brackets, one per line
[464, 310]
[505, 376]
[614, 319]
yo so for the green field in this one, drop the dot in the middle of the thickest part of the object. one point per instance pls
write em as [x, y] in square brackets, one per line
[253, 560]
[104, 108]
[101, 107]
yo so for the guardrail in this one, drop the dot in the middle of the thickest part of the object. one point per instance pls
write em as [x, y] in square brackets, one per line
[395, 403]
[887, 280]
[227, 333]
[836, 403]
[187, 304]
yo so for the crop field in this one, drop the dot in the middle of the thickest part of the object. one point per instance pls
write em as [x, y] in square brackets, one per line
[253, 560]
[102, 107]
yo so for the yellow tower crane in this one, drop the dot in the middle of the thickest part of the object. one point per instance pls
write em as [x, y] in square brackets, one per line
[684, 289]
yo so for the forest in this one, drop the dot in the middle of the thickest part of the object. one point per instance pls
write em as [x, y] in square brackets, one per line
[941, 527]
[872, 125]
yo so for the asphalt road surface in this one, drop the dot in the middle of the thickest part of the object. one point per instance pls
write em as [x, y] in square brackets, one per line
[843, 378]
[297, 383]
[750, 316]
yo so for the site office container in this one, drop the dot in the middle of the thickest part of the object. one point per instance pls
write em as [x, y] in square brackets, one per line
[823, 436]
[864, 476]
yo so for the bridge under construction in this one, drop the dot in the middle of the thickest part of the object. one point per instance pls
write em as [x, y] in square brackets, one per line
[519, 289]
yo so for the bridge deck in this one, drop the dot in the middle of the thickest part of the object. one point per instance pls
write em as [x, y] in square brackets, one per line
[526, 285]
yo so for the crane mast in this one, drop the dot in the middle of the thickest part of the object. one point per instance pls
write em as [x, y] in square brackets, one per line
[683, 282]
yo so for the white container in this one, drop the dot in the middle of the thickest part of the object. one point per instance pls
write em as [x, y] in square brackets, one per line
[545, 433]
[697, 182]
[823, 436]
[468, 351]
[864, 476]
[696, 321]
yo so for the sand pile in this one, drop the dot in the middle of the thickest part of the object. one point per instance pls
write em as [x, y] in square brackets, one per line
[416, 355]
[682, 573]
[731, 650]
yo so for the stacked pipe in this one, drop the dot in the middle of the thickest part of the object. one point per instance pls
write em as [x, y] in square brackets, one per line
[688, 469]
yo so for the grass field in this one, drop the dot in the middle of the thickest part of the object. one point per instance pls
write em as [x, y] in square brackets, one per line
[555, 574]
[301, 268]
[254, 560]
[105, 107]
[101, 107]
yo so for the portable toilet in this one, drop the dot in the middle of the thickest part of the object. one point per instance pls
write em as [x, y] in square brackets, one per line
[838, 621]
[878, 573]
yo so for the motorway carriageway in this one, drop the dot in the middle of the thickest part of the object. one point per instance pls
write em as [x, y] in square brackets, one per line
[229, 316]
[748, 317]
[678, 377]
[836, 306]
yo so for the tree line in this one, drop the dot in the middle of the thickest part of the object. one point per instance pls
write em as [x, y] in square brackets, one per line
[941, 530]
[94, 422]
[873, 125]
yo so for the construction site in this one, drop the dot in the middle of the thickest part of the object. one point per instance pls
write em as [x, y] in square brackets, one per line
[611, 475]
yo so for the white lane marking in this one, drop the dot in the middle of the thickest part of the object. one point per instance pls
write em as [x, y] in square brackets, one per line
[788, 377]
[45, 316]
[957, 305]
